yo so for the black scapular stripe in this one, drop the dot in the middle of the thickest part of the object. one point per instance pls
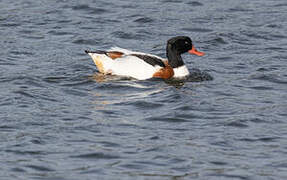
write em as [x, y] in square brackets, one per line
[96, 51]
[150, 59]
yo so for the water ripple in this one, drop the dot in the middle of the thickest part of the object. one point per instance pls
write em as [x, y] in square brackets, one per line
[39, 168]
[128, 35]
[167, 119]
[96, 156]
[143, 20]
[91, 10]
[269, 77]
[195, 3]
[201, 30]
[86, 42]
[264, 139]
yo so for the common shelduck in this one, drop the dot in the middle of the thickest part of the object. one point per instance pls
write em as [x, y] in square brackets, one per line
[122, 62]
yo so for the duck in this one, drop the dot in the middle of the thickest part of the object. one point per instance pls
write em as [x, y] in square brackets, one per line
[142, 66]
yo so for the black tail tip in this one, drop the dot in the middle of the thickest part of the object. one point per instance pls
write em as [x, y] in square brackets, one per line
[96, 52]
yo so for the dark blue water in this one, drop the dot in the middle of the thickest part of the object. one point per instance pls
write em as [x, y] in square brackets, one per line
[60, 120]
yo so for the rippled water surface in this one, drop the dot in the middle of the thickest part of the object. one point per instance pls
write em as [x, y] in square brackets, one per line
[60, 120]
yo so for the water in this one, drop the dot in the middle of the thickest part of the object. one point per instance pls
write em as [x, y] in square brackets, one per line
[60, 120]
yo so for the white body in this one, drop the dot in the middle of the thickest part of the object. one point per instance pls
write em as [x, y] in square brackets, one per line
[131, 66]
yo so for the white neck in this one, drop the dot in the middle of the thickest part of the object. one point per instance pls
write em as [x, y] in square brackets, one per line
[180, 71]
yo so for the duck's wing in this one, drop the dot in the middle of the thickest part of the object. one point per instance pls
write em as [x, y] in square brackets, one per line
[120, 53]
[148, 58]
[152, 60]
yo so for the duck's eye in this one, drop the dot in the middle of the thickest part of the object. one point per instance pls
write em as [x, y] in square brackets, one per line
[186, 42]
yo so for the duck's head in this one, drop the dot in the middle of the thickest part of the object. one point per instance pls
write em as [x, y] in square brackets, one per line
[177, 46]
[182, 44]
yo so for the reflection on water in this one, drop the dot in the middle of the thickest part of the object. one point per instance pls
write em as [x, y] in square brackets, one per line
[100, 78]
[118, 90]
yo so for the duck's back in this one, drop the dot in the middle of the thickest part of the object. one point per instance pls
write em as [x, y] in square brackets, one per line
[123, 62]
